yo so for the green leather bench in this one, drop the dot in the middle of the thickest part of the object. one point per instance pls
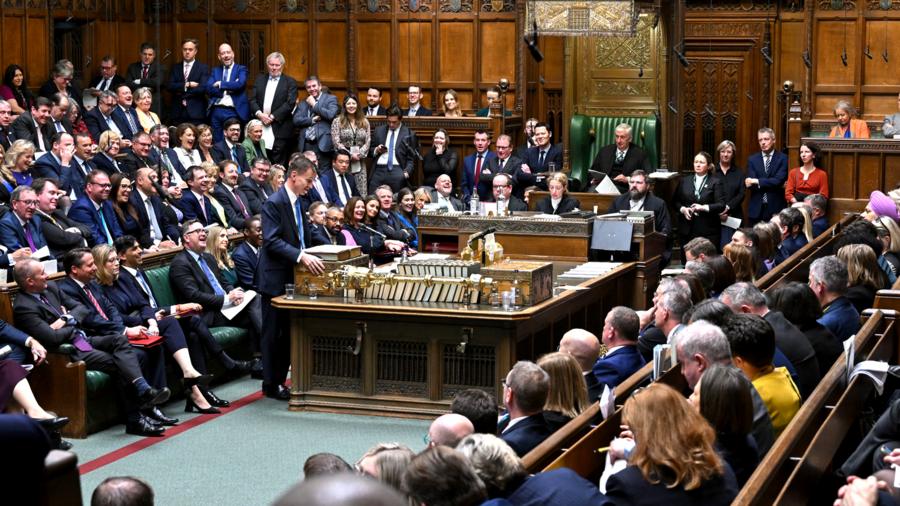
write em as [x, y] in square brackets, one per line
[90, 397]
[587, 134]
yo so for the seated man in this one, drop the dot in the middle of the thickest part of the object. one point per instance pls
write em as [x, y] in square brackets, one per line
[752, 343]
[195, 277]
[790, 222]
[330, 232]
[525, 391]
[448, 430]
[96, 211]
[493, 97]
[232, 198]
[158, 230]
[47, 314]
[828, 279]
[61, 232]
[479, 407]
[20, 229]
[139, 156]
[443, 194]
[246, 254]
[620, 159]
[57, 163]
[817, 205]
[503, 196]
[640, 198]
[622, 359]
[585, 347]
[194, 203]
[255, 187]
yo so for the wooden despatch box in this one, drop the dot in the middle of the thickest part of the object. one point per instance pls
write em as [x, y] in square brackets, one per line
[303, 278]
[535, 279]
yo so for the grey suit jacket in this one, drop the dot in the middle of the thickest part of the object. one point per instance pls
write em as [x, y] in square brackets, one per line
[326, 109]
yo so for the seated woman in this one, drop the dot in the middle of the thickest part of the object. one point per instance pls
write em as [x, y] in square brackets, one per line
[386, 462]
[16, 396]
[130, 299]
[119, 195]
[16, 168]
[807, 179]
[217, 246]
[422, 197]
[143, 101]
[889, 235]
[254, 144]
[723, 398]
[212, 174]
[408, 216]
[77, 118]
[15, 91]
[205, 143]
[106, 158]
[568, 395]
[440, 159]
[186, 153]
[451, 105]
[665, 430]
[848, 127]
[769, 238]
[559, 201]
[276, 177]
[356, 213]
[741, 258]
[797, 302]
[864, 276]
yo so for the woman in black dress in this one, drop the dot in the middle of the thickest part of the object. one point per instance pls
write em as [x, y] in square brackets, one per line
[440, 159]
[700, 200]
[732, 178]
[558, 201]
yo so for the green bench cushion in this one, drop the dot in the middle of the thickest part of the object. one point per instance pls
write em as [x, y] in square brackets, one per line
[160, 285]
[228, 337]
[583, 147]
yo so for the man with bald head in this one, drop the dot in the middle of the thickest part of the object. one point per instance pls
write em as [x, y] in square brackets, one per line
[341, 489]
[226, 87]
[585, 348]
[620, 335]
[449, 430]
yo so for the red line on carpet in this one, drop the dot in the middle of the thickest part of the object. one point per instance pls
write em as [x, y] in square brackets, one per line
[147, 442]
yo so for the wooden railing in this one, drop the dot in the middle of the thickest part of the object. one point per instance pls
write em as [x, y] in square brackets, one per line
[793, 470]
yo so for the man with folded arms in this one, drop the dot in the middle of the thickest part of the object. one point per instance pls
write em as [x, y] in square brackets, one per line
[43, 311]
[20, 229]
[61, 232]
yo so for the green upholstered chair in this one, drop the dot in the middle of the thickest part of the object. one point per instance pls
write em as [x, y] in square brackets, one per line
[587, 134]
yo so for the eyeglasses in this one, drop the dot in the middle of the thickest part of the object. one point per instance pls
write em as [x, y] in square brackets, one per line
[103, 185]
[500, 185]
[201, 231]
[28, 203]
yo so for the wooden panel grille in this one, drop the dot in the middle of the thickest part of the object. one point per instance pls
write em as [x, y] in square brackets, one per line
[334, 366]
[476, 368]
[401, 368]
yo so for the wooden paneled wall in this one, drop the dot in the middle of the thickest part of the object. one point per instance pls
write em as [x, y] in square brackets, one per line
[465, 45]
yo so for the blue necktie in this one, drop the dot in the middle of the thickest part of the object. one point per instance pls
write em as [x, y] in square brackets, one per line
[146, 287]
[109, 238]
[209, 277]
[393, 135]
[234, 153]
[298, 210]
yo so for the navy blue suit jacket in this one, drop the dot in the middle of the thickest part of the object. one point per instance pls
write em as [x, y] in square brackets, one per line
[169, 230]
[105, 164]
[771, 184]
[559, 486]
[484, 191]
[526, 434]
[12, 235]
[220, 152]
[121, 121]
[245, 264]
[329, 182]
[236, 86]
[840, 317]
[190, 206]
[112, 324]
[48, 166]
[615, 367]
[281, 243]
[630, 487]
[130, 300]
[83, 211]
[195, 98]
[554, 155]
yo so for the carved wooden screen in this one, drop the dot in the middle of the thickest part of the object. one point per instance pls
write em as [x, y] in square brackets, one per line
[251, 45]
[715, 103]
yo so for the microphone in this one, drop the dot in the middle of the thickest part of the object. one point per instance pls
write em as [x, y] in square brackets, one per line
[478, 235]
[806, 59]
[372, 230]
[766, 54]
[415, 152]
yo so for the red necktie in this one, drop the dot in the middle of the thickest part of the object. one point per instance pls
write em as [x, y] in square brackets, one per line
[144, 72]
[95, 303]
[477, 169]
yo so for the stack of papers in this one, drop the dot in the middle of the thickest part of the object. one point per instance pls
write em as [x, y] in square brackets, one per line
[586, 271]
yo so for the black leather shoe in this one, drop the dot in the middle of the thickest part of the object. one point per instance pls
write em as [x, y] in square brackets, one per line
[279, 392]
[153, 397]
[213, 399]
[242, 366]
[63, 445]
[143, 427]
[256, 370]
[191, 406]
[155, 413]
[57, 442]
[53, 424]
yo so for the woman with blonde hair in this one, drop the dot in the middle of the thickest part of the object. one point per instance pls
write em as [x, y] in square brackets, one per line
[889, 235]
[422, 198]
[351, 132]
[451, 105]
[568, 395]
[212, 172]
[807, 223]
[741, 258]
[559, 201]
[217, 246]
[16, 168]
[276, 177]
[673, 460]
[143, 101]
[254, 144]
[386, 462]
[108, 146]
[864, 275]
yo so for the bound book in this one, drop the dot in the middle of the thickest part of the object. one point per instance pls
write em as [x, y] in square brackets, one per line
[334, 252]
[145, 340]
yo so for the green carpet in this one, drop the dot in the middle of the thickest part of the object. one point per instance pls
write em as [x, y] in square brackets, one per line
[249, 456]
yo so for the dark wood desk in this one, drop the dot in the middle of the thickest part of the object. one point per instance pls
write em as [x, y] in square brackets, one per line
[409, 360]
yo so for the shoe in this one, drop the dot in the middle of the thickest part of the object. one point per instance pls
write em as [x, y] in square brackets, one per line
[241, 367]
[256, 369]
[63, 445]
[57, 442]
[203, 380]
[153, 397]
[279, 392]
[156, 414]
[143, 427]
[213, 399]
[190, 406]
[53, 424]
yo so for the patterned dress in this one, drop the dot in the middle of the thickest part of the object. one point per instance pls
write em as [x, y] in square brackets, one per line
[354, 138]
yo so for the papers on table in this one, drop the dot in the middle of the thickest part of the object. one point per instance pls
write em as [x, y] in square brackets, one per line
[230, 311]
[732, 222]
[663, 174]
[585, 271]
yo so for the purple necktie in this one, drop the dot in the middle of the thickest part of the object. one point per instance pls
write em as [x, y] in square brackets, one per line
[80, 342]
[29, 238]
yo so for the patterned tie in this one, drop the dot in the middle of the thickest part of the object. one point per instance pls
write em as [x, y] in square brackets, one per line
[145, 71]
[767, 159]
[298, 211]
[95, 303]
[478, 168]
[30, 238]
[620, 157]
[392, 137]
[131, 124]
[213, 282]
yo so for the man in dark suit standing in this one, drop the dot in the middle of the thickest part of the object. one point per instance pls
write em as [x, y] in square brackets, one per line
[622, 359]
[230, 148]
[414, 97]
[475, 166]
[542, 159]
[392, 149]
[524, 394]
[272, 100]
[194, 203]
[339, 182]
[61, 232]
[146, 73]
[157, 229]
[255, 187]
[585, 348]
[232, 198]
[32, 126]
[95, 211]
[507, 163]
[6, 136]
[620, 159]
[373, 103]
[314, 116]
[109, 79]
[766, 174]
[227, 92]
[20, 228]
[640, 198]
[187, 83]
[43, 311]
[285, 232]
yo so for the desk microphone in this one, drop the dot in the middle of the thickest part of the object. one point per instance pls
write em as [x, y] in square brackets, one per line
[479, 235]
[415, 152]
[372, 230]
